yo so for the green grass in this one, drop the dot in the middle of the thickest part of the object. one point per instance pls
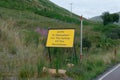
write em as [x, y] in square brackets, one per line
[23, 52]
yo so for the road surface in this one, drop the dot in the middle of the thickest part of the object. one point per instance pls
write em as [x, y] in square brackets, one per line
[113, 74]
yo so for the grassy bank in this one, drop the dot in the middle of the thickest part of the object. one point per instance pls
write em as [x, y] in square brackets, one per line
[23, 53]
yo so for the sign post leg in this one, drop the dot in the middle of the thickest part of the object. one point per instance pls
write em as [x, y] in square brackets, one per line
[49, 55]
[75, 55]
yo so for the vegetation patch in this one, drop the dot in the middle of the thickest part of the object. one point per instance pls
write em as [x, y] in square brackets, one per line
[24, 36]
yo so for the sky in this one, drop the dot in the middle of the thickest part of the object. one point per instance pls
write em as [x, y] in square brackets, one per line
[89, 8]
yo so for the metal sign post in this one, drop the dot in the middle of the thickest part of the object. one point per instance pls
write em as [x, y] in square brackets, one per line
[81, 55]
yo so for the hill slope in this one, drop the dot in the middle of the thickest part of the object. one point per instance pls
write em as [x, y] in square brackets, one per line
[96, 18]
[41, 7]
[23, 35]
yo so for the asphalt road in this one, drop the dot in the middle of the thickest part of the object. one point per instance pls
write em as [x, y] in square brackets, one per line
[113, 74]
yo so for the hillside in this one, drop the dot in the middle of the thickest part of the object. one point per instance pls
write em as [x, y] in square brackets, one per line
[41, 7]
[96, 18]
[23, 34]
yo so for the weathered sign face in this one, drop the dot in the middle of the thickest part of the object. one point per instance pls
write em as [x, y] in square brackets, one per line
[60, 38]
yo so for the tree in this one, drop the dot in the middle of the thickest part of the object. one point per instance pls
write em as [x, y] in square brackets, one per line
[110, 18]
[106, 18]
[115, 17]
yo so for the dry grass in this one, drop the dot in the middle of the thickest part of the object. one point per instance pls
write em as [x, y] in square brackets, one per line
[14, 53]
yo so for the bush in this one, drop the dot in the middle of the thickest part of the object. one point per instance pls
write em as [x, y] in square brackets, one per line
[114, 33]
[106, 43]
[86, 43]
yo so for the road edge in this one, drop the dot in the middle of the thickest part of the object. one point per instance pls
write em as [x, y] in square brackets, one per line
[110, 71]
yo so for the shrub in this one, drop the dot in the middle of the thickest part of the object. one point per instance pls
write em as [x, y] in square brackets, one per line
[106, 43]
[114, 33]
[86, 43]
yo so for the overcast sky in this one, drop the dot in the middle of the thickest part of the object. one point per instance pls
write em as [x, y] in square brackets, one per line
[90, 8]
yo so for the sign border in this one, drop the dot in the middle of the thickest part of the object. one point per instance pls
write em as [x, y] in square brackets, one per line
[60, 29]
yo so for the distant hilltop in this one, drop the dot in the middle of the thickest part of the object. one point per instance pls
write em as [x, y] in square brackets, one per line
[99, 19]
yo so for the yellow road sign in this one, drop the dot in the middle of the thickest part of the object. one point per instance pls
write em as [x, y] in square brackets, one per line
[60, 38]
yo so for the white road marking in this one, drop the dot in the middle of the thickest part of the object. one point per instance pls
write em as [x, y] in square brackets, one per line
[109, 72]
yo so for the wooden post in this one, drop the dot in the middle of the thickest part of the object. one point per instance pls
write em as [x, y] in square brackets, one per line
[75, 55]
[49, 55]
[115, 54]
